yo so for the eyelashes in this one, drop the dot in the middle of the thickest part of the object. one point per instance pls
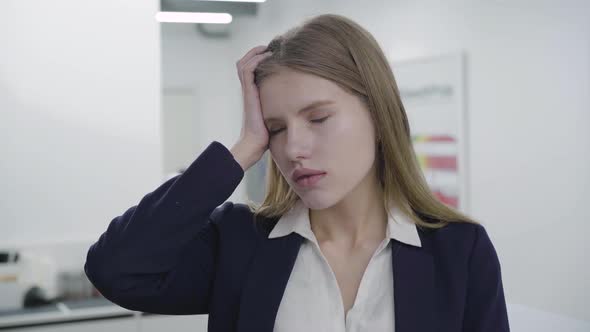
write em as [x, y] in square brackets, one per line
[276, 131]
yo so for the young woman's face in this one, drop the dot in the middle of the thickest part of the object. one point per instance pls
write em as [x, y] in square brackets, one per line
[335, 137]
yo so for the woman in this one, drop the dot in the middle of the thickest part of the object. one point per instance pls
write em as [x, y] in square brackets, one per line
[348, 237]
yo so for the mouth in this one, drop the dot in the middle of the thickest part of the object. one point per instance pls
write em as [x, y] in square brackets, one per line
[311, 180]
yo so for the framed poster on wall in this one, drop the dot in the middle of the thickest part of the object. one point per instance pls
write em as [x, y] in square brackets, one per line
[433, 93]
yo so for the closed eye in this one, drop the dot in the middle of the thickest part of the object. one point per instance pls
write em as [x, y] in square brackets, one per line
[319, 120]
[276, 131]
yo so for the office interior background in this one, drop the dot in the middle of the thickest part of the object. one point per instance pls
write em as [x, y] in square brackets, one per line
[101, 101]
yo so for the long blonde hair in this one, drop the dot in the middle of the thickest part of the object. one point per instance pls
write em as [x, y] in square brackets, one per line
[338, 49]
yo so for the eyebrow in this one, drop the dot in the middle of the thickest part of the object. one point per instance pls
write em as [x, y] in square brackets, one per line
[307, 108]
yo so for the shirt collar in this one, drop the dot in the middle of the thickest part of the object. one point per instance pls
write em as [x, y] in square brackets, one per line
[399, 226]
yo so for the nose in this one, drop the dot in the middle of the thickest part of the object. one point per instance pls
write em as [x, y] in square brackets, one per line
[298, 144]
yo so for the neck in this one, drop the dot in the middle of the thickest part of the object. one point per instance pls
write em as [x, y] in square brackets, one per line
[357, 219]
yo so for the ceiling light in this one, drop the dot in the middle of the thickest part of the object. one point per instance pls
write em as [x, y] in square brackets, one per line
[191, 17]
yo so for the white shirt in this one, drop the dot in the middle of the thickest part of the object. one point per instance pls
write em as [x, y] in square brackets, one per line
[312, 300]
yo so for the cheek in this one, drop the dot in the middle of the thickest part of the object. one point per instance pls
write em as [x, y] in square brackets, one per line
[346, 133]
[333, 131]
[349, 144]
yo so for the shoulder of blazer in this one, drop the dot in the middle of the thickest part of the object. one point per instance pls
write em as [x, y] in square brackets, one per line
[453, 230]
[455, 241]
[235, 221]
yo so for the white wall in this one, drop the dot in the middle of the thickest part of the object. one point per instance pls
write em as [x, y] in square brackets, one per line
[201, 100]
[528, 80]
[79, 116]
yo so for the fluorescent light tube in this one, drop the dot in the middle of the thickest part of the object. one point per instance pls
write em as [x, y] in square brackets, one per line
[234, 0]
[191, 17]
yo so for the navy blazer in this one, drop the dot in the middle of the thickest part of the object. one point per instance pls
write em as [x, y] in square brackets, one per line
[184, 249]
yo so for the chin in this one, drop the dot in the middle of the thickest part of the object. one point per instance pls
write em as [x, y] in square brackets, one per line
[315, 201]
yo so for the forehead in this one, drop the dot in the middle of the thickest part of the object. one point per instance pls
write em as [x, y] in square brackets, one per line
[288, 91]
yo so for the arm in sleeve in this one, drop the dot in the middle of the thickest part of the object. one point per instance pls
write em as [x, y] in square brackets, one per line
[160, 255]
[485, 309]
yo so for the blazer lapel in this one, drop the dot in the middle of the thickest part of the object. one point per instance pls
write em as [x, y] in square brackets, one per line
[266, 282]
[413, 283]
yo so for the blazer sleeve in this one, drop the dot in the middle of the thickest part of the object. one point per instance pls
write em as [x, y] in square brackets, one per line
[159, 256]
[485, 309]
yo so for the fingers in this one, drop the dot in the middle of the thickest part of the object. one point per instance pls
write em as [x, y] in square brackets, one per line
[246, 58]
[248, 62]
[250, 54]
[250, 66]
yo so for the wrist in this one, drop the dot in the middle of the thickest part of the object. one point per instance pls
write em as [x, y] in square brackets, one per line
[244, 154]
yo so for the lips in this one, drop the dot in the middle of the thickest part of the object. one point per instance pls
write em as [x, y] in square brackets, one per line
[304, 172]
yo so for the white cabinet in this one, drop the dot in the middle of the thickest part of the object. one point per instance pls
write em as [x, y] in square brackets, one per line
[135, 323]
[123, 324]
